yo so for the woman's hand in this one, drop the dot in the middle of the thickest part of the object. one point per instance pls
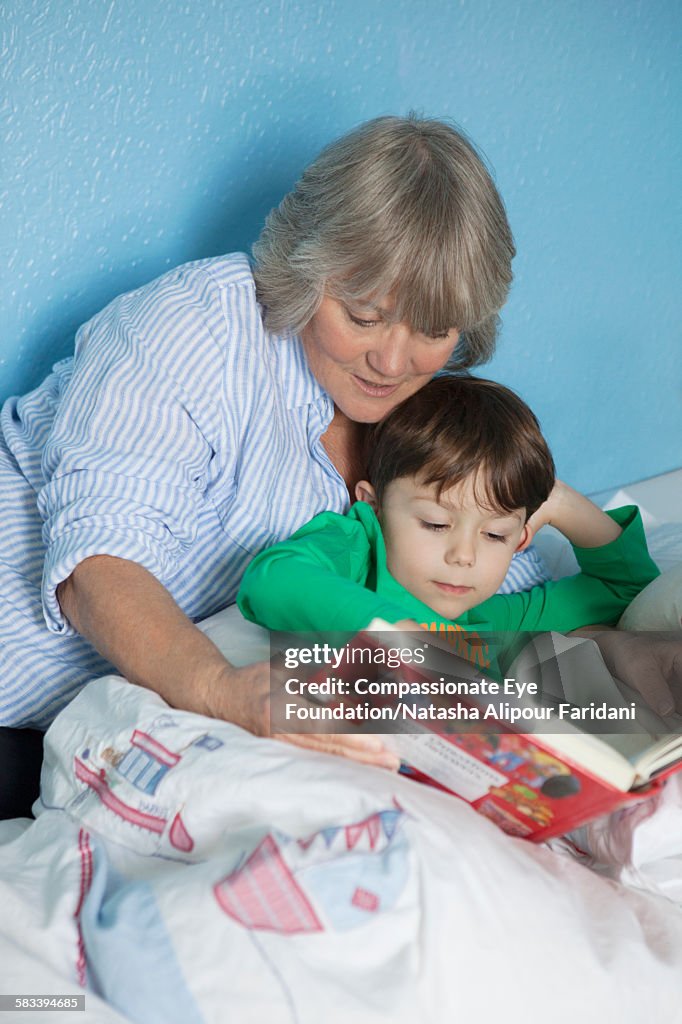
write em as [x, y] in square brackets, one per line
[133, 621]
[246, 697]
[361, 747]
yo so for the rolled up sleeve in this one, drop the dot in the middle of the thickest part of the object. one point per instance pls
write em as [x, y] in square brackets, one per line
[126, 464]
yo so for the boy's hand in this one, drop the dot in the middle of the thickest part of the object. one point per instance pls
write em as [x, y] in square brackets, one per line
[649, 662]
[409, 626]
[548, 510]
[579, 519]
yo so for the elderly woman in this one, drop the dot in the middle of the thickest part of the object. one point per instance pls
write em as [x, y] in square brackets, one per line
[213, 411]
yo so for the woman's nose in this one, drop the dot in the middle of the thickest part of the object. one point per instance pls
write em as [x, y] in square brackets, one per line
[390, 351]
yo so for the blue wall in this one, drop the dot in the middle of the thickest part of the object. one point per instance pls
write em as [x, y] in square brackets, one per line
[137, 135]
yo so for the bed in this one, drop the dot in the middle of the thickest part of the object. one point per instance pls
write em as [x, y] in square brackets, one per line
[180, 869]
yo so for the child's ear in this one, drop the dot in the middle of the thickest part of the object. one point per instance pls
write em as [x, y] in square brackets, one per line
[365, 492]
[526, 538]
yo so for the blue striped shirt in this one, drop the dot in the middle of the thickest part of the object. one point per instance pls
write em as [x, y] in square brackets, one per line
[183, 436]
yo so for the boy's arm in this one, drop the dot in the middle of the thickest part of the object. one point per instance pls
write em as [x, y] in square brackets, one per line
[316, 580]
[578, 518]
[612, 575]
[614, 569]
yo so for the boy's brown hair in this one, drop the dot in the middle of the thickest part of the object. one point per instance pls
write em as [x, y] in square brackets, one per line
[458, 426]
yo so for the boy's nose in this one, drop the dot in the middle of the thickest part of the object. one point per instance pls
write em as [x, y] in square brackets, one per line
[461, 551]
[390, 353]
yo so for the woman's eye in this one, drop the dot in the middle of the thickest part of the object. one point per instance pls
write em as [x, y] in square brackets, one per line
[426, 525]
[363, 323]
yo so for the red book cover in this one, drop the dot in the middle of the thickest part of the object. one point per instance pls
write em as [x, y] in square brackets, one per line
[514, 779]
[535, 785]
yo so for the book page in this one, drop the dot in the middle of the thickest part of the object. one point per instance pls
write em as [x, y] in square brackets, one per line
[572, 669]
[447, 764]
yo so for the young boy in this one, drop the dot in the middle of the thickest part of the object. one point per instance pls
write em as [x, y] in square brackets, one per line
[460, 478]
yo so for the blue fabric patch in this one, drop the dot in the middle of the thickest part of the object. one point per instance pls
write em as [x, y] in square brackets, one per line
[130, 956]
[333, 884]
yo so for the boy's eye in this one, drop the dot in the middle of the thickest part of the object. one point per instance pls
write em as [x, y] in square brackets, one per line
[426, 525]
[496, 536]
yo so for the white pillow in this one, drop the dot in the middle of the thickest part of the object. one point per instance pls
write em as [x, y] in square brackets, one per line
[240, 641]
[659, 606]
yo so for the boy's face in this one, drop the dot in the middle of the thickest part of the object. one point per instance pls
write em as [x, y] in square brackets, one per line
[449, 552]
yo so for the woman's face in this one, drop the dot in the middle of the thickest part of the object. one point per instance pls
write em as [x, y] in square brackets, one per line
[367, 364]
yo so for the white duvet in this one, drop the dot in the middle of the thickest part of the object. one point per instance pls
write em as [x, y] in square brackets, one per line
[182, 870]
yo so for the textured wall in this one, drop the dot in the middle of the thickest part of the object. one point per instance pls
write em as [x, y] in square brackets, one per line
[136, 135]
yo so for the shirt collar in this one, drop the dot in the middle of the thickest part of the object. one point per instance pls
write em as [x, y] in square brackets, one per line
[299, 384]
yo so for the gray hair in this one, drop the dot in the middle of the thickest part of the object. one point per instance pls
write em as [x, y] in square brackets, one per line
[402, 207]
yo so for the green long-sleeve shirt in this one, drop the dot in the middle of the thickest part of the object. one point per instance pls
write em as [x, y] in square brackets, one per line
[332, 574]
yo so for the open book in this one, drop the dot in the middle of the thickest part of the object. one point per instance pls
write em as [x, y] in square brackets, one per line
[581, 744]
[551, 745]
